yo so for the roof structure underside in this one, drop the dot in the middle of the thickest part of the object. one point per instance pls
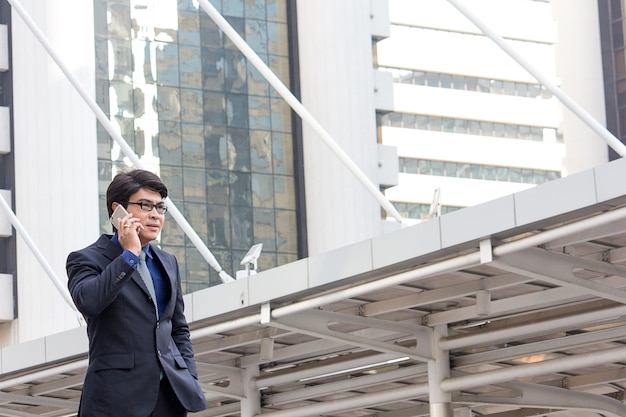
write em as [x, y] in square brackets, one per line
[512, 308]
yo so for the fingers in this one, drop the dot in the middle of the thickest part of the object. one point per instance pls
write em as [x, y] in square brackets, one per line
[129, 224]
[128, 233]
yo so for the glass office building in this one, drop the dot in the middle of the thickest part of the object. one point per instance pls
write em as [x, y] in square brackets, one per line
[199, 114]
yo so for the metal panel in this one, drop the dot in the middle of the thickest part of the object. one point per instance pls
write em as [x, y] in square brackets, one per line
[23, 355]
[278, 282]
[407, 243]
[553, 198]
[477, 222]
[340, 263]
[71, 342]
[220, 299]
[610, 182]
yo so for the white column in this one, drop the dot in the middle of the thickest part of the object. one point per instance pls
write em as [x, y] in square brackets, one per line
[251, 404]
[579, 67]
[56, 170]
[438, 370]
[337, 83]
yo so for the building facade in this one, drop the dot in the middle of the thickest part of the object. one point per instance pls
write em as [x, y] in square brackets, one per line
[196, 112]
[470, 122]
[456, 115]
[193, 109]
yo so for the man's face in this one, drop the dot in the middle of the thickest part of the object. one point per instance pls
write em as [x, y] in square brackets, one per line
[152, 221]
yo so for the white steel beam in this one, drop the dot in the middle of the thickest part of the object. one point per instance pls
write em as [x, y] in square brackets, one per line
[62, 289]
[251, 403]
[573, 321]
[550, 345]
[312, 373]
[441, 294]
[571, 104]
[568, 230]
[510, 305]
[210, 373]
[351, 383]
[535, 395]
[316, 323]
[39, 400]
[566, 363]
[558, 269]
[295, 104]
[355, 401]
[439, 400]
[318, 347]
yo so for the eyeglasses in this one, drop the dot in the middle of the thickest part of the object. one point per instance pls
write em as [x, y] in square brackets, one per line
[161, 208]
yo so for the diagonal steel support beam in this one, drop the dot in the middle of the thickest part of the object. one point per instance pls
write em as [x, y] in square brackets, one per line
[572, 105]
[5, 412]
[534, 348]
[370, 399]
[61, 288]
[297, 107]
[317, 323]
[559, 269]
[210, 373]
[562, 364]
[353, 384]
[441, 294]
[534, 395]
[39, 400]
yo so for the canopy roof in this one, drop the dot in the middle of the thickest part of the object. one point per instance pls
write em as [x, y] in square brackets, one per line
[515, 307]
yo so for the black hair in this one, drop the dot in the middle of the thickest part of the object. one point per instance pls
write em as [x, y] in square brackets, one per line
[128, 183]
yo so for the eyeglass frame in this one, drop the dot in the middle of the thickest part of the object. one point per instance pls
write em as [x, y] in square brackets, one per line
[144, 204]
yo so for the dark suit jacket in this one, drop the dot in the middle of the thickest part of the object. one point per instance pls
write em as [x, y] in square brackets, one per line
[127, 346]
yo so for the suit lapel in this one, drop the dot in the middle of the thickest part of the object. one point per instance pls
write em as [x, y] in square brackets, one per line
[109, 249]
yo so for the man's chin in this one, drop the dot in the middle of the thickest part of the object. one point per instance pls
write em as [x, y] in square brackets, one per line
[148, 237]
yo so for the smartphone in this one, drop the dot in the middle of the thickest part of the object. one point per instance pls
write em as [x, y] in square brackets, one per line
[119, 212]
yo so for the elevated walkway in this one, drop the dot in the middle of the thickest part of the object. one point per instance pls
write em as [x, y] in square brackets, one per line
[513, 307]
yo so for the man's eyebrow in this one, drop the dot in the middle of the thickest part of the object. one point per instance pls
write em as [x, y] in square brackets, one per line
[150, 201]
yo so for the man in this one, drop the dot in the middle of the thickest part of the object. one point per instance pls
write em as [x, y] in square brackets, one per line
[141, 361]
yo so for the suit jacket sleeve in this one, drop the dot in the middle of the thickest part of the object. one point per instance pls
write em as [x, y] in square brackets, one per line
[96, 276]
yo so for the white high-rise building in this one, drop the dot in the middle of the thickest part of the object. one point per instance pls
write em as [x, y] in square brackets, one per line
[469, 119]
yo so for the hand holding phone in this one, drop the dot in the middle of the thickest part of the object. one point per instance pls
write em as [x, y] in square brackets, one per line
[119, 212]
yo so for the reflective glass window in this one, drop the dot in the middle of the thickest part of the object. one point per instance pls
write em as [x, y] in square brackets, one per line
[200, 115]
